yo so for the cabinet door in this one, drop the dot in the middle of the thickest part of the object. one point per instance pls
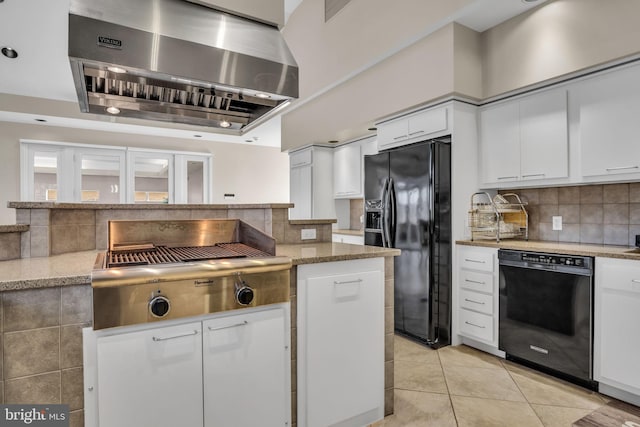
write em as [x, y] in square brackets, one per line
[341, 345]
[144, 376]
[544, 143]
[428, 122]
[347, 171]
[616, 320]
[609, 127]
[301, 193]
[246, 370]
[500, 143]
[392, 132]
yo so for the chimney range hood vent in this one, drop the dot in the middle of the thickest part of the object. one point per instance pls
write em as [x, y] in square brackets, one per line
[175, 61]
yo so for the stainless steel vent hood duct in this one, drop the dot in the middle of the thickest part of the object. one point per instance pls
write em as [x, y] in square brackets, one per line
[176, 61]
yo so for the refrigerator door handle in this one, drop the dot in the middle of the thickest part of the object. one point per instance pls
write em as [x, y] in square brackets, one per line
[383, 213]
[392, 208]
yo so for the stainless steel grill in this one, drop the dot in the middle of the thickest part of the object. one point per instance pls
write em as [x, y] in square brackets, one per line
[158, 270]
[164, 255]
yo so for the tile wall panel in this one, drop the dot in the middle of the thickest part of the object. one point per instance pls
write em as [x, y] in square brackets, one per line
[596, 214]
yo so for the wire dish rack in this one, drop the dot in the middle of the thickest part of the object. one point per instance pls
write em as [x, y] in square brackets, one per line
[503, 217]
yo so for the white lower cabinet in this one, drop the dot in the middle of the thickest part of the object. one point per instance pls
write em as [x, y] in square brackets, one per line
[246, 370]
[347, 238]
[229, 370]
[341, 343]
[477, 290]
[616, 320]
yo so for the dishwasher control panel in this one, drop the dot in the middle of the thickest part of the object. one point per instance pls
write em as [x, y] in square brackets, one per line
[552, 259]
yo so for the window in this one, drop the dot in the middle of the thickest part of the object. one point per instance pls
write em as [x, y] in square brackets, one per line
[66, 172]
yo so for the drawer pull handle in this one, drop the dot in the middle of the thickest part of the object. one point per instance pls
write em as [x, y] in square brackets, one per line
[529, 175]
[635, 280]
[507, 177]
[399, 137]
[475, 302]
[188, 334]
[619, 168]
[475, 260]
[235, 325]
[473, 324]
[416, 132]
[475, 281]
[346, 282]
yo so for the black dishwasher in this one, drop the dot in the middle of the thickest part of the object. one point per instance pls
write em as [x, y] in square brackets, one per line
[546, 313]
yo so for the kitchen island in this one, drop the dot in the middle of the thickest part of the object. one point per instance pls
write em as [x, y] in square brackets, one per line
[48, 300]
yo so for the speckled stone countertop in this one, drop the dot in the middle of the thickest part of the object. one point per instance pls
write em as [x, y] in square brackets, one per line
[94, 206]
[607, 251]
[348, 232]
[75, 268]
[326, 252]
[14, 228]
[47, 272]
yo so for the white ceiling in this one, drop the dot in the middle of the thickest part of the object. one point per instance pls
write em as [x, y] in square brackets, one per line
[37, 30]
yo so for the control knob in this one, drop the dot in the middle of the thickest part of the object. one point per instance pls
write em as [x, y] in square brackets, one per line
[159, 306]
[244, 293]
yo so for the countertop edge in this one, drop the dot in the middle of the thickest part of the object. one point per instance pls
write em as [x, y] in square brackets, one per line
[604, 251]
[348, 232]
[44, 282]
[129, 206]
[333, 258]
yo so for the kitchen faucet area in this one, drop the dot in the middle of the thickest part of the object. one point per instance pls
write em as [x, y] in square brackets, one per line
[319, 213]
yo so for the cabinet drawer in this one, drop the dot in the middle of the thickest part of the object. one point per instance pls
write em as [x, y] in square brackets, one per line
[474, 259]
[476, 301]
[476, 325]
[476, 281]
[618, 274]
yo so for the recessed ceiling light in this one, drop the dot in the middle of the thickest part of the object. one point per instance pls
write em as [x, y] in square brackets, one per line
[9, 52]
[117, 70]
[225, 124]
[113, 110]
[37, 120]
[263, 95]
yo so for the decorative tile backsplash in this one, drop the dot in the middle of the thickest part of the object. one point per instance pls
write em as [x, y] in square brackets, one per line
[595, 214]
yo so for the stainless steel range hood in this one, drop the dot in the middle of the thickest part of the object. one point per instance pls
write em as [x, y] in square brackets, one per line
[175, 61]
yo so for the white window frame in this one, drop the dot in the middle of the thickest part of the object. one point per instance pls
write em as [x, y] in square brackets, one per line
[181, 173]
[69, 169]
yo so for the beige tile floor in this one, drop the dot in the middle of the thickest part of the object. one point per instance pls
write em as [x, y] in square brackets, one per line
[462, 386]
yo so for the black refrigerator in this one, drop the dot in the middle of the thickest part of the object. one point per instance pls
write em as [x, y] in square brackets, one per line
[408, 206]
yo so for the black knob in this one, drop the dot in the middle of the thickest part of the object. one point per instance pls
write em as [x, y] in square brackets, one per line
[244, 295]
[159, 306]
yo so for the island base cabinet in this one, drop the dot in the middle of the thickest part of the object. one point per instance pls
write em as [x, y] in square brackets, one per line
[231, 369]
[246, 370]
[147, 377]
[341, 343]
[616, 320]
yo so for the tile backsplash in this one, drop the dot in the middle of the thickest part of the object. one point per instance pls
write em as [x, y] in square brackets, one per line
[595, 214]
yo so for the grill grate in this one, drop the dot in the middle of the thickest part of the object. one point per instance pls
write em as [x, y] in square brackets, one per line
[165, 255]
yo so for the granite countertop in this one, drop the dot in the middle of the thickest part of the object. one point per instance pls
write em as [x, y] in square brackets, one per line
[349, 232]
[46, 272]
[94, 206]
[14, 228]
[75, 268]
[607, 251]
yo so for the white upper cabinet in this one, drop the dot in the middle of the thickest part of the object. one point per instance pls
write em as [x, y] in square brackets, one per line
[347, 171]
[609, 108]
[500, 142]
[415, 127]
[525, 139]
[311, 183]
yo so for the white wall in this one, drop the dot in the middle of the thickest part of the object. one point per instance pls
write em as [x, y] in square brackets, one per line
[558, 38]
[254, 174]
